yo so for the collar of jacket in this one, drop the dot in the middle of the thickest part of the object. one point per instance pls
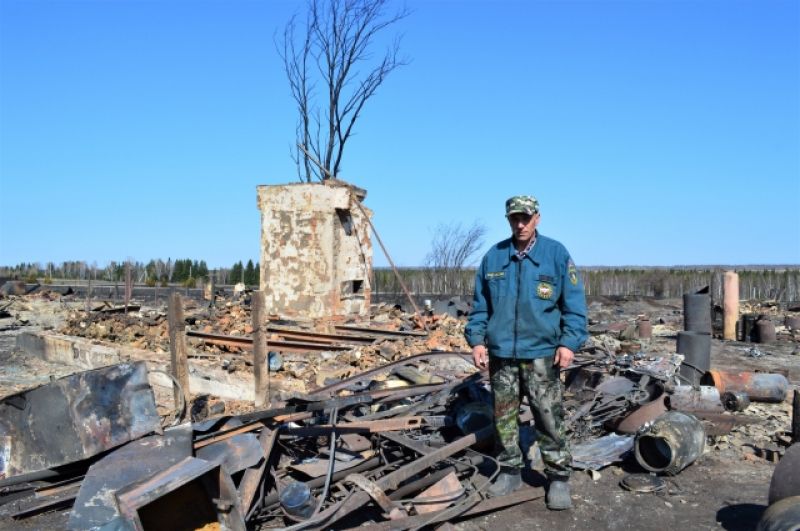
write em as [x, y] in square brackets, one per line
[535, 256]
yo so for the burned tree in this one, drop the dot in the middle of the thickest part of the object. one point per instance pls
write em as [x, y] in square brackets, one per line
[452, 249]
[330, 58]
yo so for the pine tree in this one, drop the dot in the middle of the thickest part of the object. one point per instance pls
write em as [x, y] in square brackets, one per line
[250, 274]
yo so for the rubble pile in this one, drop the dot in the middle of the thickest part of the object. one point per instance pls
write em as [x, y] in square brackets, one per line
[387, 422]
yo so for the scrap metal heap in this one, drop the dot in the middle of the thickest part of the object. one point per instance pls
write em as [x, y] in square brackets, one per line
[401, 439]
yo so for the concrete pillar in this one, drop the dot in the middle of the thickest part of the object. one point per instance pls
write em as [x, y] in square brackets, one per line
[730, 305]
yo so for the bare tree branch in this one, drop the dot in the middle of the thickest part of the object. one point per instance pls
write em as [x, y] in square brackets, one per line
[330, 50]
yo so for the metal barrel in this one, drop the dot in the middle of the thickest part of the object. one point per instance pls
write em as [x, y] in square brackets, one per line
[765, 330]
[671, 443]
[785, 481]
[792, 322]
[697, 311]
[759, 386]
[781, 516]
[748, 327]
[696, 350]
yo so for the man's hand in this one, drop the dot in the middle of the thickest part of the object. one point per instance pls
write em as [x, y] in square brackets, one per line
[480, 356]
[563, 357]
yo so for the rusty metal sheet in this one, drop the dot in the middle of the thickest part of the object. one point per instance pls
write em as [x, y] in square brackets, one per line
[319, 467]
[235, 454]
[75, 417]
[133, 462]
[190, 494]
[440, 495]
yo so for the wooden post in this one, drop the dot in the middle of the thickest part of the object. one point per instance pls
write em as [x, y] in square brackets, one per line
[730, 313]
[260, 351]
[128, 285]
[179, 364]
[796, 417]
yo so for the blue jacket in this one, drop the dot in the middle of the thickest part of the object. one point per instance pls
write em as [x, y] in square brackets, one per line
[525, 309]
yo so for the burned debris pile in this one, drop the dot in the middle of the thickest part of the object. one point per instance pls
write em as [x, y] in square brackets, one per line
[384, 424]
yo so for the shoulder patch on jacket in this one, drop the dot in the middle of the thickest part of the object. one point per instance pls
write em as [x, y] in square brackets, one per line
[572, 271]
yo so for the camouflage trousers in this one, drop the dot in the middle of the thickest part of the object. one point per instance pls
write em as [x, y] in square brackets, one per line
[539, 380]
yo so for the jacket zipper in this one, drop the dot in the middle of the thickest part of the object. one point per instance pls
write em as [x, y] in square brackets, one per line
[516, 306]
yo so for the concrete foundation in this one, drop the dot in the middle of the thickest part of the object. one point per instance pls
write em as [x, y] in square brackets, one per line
[84, 355]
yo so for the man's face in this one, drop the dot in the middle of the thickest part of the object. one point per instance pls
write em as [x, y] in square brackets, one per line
[523, 226]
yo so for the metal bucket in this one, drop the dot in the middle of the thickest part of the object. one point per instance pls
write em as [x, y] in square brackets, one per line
[671, 443]
[297, 501]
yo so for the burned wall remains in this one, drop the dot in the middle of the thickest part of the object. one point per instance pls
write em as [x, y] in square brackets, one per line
[316, 254]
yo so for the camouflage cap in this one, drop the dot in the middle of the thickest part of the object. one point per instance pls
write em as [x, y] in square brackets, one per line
[522, 204]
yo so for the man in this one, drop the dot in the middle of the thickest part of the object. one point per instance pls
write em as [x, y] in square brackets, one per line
[528, 319]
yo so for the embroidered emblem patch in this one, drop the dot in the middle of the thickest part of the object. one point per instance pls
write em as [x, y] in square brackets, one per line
[572, 271]
[544, 290]
[496, 274]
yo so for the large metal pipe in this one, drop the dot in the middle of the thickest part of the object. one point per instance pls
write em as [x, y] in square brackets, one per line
[688, 398]
[697, 311]
[730, 305]
[644, 414]
[696, 350]
[786, 479]
[671, 443]
[759, 386]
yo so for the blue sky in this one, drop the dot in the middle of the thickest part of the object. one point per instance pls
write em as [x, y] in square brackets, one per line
[652, 132]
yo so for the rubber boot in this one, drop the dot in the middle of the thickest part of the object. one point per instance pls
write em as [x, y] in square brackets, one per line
[509, 480]
[558, 495]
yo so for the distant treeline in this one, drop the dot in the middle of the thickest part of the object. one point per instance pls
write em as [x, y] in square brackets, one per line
[157, 271]
[781, 284]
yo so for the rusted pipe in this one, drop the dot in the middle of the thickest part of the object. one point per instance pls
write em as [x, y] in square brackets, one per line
[760, 387]
[671, 443]
[644, 414]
